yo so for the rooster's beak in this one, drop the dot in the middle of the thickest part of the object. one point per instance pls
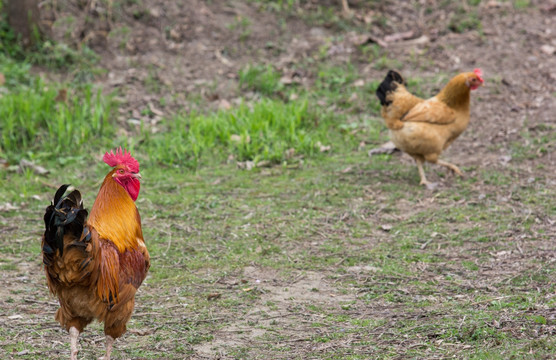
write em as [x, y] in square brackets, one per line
[137, 176]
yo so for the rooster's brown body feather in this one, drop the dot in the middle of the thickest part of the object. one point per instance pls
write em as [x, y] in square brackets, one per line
[95, 267]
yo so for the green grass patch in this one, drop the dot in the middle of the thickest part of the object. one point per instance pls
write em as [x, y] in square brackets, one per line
[33, 120]
[268, 130]
[262, 79]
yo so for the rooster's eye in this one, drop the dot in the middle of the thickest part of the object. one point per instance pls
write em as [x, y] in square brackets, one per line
[121, 171]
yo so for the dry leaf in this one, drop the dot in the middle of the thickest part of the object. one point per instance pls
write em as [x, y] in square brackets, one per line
[360, 40]
[264, 163]
[547, 49]
[238, 138]
[141, 332]
[222, 59]
[247, 165]
[175, 34]
[62, 95]
[224, 104]
[288, 154]
[386, 148]
[505, 159]
[386, 227]
[399, 36]
[2, 79]
[155, 110]
[213, 296]
[39, 170]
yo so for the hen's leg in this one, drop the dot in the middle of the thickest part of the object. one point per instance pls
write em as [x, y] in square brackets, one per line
[74, 334]
[450, 166]
[420, 162]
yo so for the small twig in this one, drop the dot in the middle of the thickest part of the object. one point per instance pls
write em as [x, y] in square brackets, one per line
[145, 314]
[493, 299]
[296, 340]
[169, 243]
[41, 302]
[425, 244]
[340, 262]
[462, 321]
[279, 316]
[52, 186]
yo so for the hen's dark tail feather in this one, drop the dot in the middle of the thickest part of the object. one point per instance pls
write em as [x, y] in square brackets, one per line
[389, 84]
[65, 215]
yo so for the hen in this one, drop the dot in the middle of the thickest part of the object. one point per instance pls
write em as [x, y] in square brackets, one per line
[94, 266]
[425, 128]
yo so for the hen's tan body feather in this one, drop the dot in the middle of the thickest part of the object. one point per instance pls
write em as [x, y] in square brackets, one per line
[425, 128]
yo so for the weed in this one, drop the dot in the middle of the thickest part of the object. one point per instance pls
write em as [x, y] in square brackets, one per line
[463, 21]
[263, 132]
[242, 25]
[263, 79]
[33, 119]
[521, 4]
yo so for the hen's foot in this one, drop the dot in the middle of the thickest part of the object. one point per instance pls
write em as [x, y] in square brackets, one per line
[450, 166]
[429, 185]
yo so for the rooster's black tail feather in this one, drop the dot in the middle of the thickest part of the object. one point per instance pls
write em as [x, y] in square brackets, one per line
[65, 215]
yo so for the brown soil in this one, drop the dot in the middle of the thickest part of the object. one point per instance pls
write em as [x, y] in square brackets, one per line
[178, 49]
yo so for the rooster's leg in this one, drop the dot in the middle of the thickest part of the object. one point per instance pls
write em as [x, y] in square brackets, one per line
[345, 6]
[74, 334]
[109, 343]
[452, 167]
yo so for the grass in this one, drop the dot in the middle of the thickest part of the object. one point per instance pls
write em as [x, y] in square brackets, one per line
[311, 254]
[311, 223]
[35, 117]
[34, 121]
[262, 131]
[262, 79]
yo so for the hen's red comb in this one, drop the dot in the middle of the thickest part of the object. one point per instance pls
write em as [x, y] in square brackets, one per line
[121, 157]
[479, 74]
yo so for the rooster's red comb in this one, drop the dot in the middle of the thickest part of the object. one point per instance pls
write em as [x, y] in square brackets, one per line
[121, 157]
[479, 74]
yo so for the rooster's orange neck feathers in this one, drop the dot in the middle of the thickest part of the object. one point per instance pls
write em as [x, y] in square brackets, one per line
[115, 217]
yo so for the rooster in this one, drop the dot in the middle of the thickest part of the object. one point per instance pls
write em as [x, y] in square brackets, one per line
[95, 266]
[425, 128]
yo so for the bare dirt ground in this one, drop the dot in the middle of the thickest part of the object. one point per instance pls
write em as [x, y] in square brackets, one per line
[177, 50]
